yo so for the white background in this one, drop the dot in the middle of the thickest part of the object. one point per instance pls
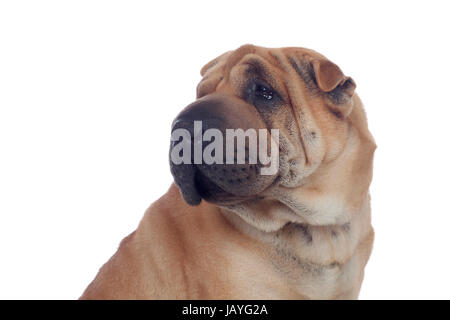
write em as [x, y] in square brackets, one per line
[88, 90]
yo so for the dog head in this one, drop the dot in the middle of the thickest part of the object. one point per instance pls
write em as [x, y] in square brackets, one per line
[317, 139]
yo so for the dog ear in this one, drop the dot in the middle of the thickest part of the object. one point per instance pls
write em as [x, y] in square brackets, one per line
[330, 78]
[210, 75]
[207, 66]
[212, 63]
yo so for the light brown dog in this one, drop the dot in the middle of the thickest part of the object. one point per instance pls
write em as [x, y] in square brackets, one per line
[227, 232]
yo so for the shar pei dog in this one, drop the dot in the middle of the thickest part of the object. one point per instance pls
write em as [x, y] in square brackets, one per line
[295, 224]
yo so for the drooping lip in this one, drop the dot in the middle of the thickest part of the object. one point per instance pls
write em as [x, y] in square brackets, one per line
[211, 192]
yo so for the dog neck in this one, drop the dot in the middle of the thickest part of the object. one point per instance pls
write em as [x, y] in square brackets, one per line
[333, 255]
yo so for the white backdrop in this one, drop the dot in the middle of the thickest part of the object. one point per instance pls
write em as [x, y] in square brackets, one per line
[88, 90]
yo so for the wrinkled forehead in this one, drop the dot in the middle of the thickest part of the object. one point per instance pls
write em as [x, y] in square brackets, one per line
[271, 56]
[252, 62]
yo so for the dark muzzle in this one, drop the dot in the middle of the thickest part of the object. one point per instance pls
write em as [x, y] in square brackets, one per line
[211, 159]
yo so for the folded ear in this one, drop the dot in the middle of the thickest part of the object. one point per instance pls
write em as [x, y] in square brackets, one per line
[329, 77]
[207, 66]
[212, 74]
[212, 63]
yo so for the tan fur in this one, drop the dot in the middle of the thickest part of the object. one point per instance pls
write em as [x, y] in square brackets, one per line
[308, 236]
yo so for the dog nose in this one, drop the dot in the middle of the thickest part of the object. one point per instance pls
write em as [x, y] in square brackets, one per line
[200, 110]
[206, 111]
[199, 178]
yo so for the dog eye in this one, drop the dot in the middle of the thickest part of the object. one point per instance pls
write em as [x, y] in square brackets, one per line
[263, 92]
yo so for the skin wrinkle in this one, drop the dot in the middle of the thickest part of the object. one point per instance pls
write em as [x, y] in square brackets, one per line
[304, 229]
[236, 57]
[273, 55]
[305, 232]
[304, 263]
[306, 266]
[295, 113]
[257, 62]
[281, 249]
[204, 82]
[300, 132]
[306, 76]
[283, 76]
[296, 207]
